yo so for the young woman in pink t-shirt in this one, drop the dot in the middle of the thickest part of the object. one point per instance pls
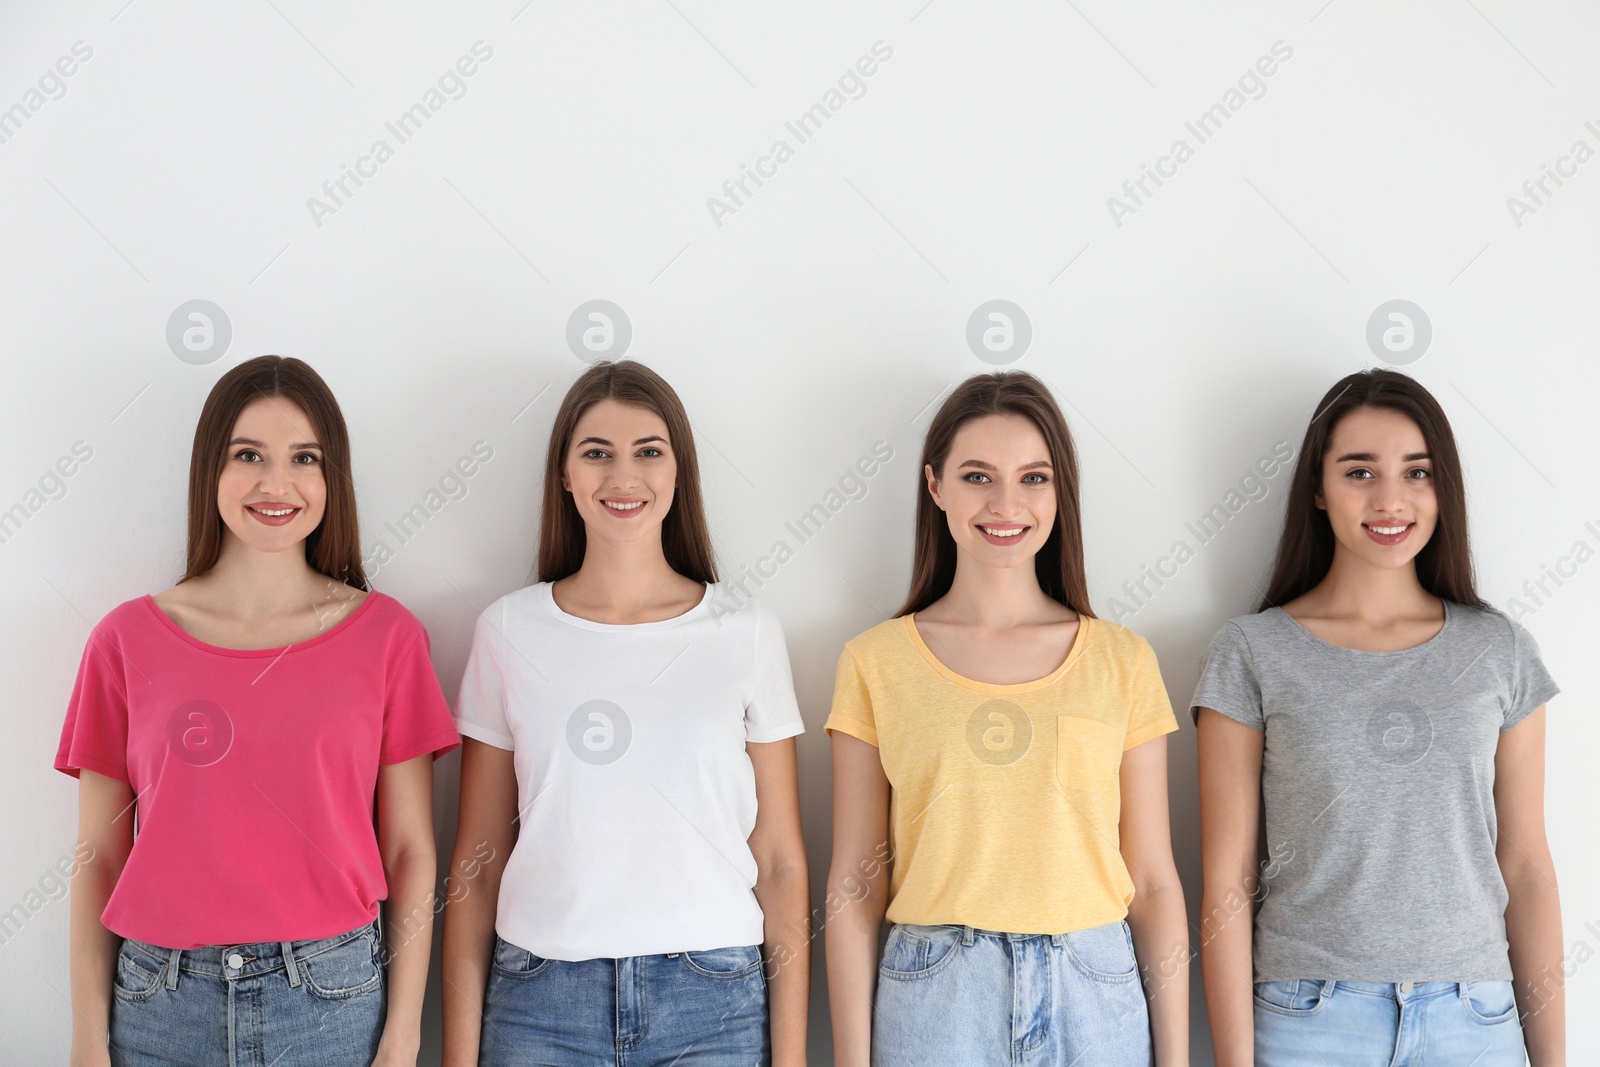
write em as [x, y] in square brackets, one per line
[254, 749]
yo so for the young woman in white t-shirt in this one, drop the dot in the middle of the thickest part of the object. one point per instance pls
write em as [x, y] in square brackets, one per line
[629, 771]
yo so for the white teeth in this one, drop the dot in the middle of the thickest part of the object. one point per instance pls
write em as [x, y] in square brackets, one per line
[1387, 531]
[1000, 533]
[623, 507]
[264, 511]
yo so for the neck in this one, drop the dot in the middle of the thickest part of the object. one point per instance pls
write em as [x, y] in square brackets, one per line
[997, 597]
[624, 576]
[1356, 589]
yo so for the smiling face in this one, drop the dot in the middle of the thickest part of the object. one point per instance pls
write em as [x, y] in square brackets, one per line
[272, 494]
[621, 471]
[998, 491]
[1377, 487]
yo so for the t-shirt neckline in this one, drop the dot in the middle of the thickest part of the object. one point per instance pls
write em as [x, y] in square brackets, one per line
[547, 593]
[252, 653]
[1079, 642]
[1430, 642]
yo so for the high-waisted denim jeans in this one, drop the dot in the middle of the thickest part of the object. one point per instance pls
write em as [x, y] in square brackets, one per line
[1314, 1022]
[680, 1009]
[951, 995]
[288, 1004]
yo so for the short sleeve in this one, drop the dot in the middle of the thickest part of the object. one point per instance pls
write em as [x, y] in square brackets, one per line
[416, 719]
[773, 713]
[1531, 684]
[481, 702]
[95, 734]
[852, 702]
[1149, 707]
[1228, 680]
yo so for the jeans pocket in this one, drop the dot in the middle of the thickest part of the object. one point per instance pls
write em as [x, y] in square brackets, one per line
[137, 976]
[349, 969]
[513, 962]
[1088, 754]
[1490, 1003]
[1104, 953]
[914, 952]
[739, 961]
[1297, 997]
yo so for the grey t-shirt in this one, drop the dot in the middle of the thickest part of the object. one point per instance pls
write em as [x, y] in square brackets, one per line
[1377, 779]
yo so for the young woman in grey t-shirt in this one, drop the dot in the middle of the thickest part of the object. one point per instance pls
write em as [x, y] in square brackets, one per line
[1387, 726]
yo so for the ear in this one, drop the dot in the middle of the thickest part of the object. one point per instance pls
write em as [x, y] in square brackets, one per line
[933, 485]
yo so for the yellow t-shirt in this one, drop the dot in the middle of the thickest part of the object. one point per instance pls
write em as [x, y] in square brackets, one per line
[1004, 799]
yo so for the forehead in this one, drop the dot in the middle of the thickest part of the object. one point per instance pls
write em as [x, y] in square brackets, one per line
[617, 421]
[268, 417]
[1375, 430]
[1008, 434]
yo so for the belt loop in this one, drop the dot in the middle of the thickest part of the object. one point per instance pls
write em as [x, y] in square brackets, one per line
[1327, 987]
[173, 956]
[1461, 988]
[966, 935]
[287, 948]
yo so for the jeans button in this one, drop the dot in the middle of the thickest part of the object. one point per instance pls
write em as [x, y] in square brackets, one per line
[1406, 987]
[235, 961]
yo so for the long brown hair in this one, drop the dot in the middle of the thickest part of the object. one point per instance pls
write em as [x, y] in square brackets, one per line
[334, 547]
[1059, 563]
[685, 538]
[1305, 551]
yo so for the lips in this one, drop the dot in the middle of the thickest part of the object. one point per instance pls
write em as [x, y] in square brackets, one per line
[623, 509]
[1004, 536]
[1388, 533]
[271, 514]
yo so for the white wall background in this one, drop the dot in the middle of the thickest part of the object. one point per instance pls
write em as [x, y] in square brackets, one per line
[827, 312]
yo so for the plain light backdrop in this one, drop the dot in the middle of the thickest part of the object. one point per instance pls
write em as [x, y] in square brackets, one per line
[994, 152]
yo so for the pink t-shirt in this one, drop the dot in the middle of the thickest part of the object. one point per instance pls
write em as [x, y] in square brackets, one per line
[255, 771]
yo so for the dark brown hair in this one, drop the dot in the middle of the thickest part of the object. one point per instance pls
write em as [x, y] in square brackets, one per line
[1305, 552]
[334, 547]
[685, 538]
[1059, 563]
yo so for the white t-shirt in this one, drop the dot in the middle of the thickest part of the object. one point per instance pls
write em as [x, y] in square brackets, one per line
[636, 795]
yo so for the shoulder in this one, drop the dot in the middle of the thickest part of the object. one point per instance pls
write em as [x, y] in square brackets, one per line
[128, 617]
[1489, 624]
[886, 639]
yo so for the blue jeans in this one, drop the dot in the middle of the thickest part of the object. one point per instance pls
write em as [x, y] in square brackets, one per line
[290, 1003]
[956, 995]
[1373, 1024]
[684, 1009]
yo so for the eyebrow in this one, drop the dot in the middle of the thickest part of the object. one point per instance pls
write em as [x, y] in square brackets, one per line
[257, 444]
[981, 465]
[1368, 457]
[603, 441]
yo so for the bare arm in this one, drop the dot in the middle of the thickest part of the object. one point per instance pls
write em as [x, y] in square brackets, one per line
[105, 837]
[405, 841]
[1533, 908]
[783, 888]
[1156, 916]
[858, 894]
[485, 834]
[1230, 825]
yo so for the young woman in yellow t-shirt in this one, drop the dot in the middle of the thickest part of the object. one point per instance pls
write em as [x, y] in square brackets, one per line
[1000, 781]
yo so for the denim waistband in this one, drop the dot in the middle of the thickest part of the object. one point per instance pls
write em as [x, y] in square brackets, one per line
[1400, 991]
[971, 933]
[257, 958]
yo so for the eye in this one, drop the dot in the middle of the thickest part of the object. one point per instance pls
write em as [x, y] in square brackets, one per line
[1363, 472]
[1044, 479]
[1424, 471]
[595, 453]
[248, 455]
[651, 451]
[970, 475]
[311, 457]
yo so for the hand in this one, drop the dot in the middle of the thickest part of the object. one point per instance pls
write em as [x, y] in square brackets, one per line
[394, 1051]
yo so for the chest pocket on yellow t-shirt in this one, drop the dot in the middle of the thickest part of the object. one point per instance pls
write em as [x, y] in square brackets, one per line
[1088, 754]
